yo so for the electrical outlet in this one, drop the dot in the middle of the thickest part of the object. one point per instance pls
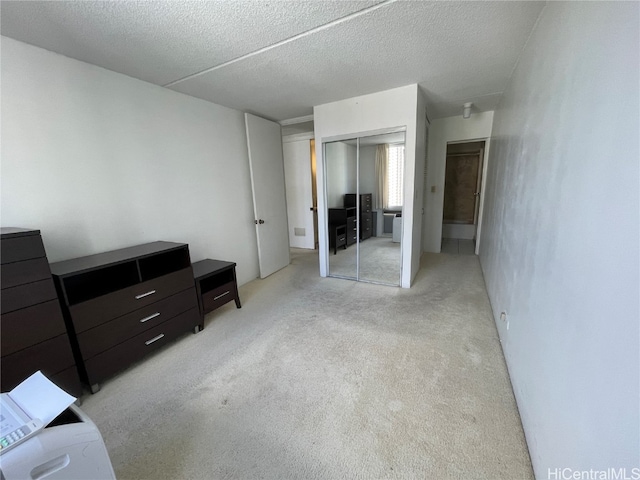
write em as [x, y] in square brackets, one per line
[503, 317]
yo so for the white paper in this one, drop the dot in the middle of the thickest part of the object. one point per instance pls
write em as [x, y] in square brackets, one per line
[40, 398]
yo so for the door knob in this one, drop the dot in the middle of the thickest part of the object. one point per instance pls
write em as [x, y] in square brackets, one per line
[260, 221]
[475, 194]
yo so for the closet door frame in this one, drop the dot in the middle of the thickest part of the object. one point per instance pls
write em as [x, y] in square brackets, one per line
[324, 244]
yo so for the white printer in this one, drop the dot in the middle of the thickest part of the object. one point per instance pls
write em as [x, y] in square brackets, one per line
[70, 447]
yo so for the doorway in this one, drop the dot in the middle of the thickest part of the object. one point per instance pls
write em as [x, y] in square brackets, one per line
[462, 196]
[314, 193]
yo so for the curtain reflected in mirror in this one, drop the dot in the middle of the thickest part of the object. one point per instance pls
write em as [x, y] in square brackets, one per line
[364, 187]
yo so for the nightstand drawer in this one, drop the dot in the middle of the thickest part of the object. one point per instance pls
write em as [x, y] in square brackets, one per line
[107, 307]
[26, 327]
[124, 354]
[107, 335]
[218, 296]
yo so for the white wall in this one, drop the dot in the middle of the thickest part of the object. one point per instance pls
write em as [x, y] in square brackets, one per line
[422, 132]
[342, 174]
[560, 249]
[442, 131]
[366, 115]
[297, 176]
[97, 161]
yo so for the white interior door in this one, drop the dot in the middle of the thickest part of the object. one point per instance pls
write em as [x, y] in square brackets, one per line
[264, 139]
[297, 176]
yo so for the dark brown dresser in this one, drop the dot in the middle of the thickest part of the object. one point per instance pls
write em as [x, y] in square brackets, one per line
[121, 305]
[345, 217]
[33, 333]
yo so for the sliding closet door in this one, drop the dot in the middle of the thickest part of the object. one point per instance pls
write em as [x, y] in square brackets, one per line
[340, 179]
[364, 180]
[381, 179]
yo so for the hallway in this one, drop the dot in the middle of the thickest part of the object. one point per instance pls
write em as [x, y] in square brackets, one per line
[458, 246]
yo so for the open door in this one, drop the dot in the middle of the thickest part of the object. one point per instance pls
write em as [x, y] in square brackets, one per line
[264, 140]
[314, 193]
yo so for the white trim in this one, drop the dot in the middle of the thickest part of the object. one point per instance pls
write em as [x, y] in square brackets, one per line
[295, 137]
[483, 187]
[369, 133]
[296, 120]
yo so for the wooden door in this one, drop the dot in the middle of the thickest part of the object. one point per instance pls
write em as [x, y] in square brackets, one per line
[264, 140]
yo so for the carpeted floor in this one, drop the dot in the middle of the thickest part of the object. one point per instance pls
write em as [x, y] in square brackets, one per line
[380, 261]
[323, 378]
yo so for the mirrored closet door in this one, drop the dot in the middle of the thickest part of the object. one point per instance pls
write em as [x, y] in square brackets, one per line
[364, 191]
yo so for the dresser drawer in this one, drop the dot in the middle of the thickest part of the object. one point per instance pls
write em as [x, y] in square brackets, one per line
[24, 296]
[107, 335]
[69, 381]
[218, 296]
[26, 327]
[365, 223]
[21, 248]
[52, 357]
[19, 273]
[107, 307]
[122, 355]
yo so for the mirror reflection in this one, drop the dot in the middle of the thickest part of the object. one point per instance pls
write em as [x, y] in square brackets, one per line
[364, 184]
[341, 177]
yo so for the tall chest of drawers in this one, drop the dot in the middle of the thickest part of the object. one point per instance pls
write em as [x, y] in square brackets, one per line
[366, 217]
[121, 305]
[33, 332]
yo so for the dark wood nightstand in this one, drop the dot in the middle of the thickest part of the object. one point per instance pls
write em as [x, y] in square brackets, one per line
[215, 284]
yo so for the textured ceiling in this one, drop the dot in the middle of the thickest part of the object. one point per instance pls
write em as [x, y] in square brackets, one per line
[280, 58]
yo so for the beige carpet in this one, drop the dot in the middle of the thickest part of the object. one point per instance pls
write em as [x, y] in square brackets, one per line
[380, 261]
[325, 379]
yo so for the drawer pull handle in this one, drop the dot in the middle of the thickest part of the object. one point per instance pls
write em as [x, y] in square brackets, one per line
[221, 295]
[146, 319]
[142, 295]
[154, 339]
